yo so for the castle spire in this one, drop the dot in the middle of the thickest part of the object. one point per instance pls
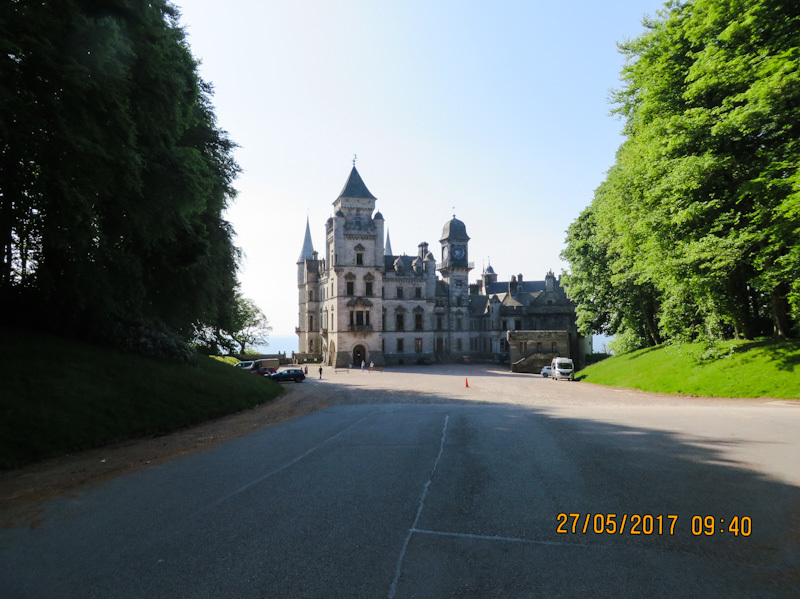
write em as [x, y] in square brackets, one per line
[388, 251]
[307, 253]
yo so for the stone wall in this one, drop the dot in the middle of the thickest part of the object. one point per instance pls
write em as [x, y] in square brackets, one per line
[530, 351]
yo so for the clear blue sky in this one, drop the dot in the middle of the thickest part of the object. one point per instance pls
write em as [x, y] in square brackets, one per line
[499, 109]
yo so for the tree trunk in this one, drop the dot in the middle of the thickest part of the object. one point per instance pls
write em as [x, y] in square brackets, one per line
[780, 311]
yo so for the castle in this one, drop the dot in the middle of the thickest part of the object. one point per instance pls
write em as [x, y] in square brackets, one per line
[361, 303]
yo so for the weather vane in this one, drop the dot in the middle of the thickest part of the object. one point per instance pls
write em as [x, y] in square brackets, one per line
[454, 211]
[355, 157]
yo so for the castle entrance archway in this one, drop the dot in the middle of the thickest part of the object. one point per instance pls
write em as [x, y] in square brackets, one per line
[359, 355]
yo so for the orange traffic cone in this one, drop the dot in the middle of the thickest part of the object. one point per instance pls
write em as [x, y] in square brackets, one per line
[466, 380]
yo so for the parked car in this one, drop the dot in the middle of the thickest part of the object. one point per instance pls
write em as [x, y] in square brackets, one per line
[547, 371]
[264, 370]
[464, 360]
[247, 365]
[290, 374]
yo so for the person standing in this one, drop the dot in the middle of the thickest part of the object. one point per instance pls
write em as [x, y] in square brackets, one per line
[363, 364]
[320, 373]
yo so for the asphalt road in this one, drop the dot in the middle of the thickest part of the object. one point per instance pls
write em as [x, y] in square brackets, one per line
[416, 485]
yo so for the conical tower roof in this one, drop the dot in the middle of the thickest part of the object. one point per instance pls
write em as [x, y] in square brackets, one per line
[388, 250]
[307, 253]
[355, 188]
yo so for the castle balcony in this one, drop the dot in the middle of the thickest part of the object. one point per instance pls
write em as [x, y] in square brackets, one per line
[362, 329]
[454, 264]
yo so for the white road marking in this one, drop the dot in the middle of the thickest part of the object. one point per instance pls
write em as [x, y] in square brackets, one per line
[399, 568]
[465, 535]
[279, 469]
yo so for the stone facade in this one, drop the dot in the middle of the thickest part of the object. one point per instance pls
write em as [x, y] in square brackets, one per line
[358, 302]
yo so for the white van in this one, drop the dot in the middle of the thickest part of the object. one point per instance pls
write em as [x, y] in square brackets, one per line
[562, 368]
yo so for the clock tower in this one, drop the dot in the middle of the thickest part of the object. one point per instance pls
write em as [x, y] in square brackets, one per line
[455, 267]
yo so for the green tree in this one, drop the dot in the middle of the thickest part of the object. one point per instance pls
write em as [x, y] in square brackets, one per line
[703, 202]
[250, 326]
[113, 173]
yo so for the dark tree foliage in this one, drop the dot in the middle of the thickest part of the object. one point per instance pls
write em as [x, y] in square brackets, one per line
[696, 230]
[113, 173]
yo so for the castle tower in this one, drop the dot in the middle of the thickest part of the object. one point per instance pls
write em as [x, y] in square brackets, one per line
[353, 277]
[308, 277]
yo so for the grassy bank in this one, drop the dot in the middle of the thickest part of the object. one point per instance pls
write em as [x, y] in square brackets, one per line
[731, 369]
[60, 395]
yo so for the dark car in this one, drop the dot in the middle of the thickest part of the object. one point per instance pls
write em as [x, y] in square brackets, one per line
[464, 360]
[290, 374]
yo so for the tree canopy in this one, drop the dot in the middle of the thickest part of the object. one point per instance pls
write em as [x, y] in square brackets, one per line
[113, 173]
[695, 231]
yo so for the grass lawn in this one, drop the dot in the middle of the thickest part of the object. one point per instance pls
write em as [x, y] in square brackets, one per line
[60, 395]
[764, 368]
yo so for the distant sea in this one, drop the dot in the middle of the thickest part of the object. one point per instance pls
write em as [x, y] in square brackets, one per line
[280, 344]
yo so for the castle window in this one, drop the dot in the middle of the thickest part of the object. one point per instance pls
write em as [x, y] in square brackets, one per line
[418, 292]
[400, 348]
[369, 288]
[360, 318]
[310, 295]
[439, 323]
[350, 287]
[503, 345]
[360, 258]
[458, 325]
[310, 346]
[518, 325]
[418, 345]
[310, 322]
[399, 293]
[459, 345]
[503, 325]
[399, 321]
[417, 322]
